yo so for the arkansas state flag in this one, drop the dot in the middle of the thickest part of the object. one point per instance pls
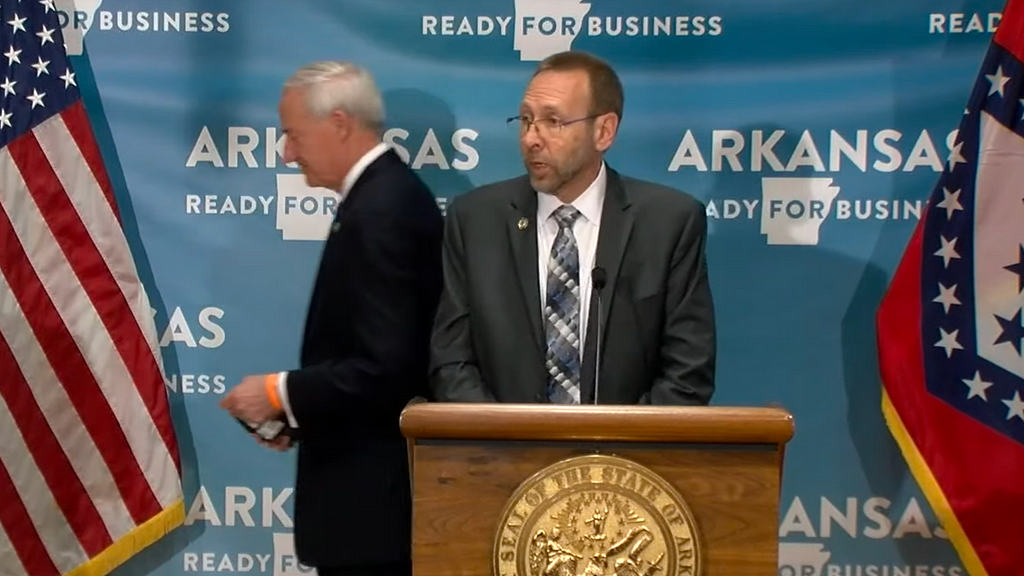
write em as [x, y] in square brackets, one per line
[951, 327]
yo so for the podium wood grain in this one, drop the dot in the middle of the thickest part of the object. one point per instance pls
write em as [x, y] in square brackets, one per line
[467, 465]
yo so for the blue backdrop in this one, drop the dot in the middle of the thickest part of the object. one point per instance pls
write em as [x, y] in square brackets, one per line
[813, 131]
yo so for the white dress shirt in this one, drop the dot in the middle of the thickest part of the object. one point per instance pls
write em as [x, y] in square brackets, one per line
[346, 186]
[585, 229]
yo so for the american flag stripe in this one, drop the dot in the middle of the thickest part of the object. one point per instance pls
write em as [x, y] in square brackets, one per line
[77, 123]
[79, 179]
[16, 527]
[49, 457]
[90, 408]
[57, 304]
[27, 486]
[100, 225]
[25, 361]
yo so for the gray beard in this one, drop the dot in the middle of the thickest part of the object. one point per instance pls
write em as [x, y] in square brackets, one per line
[560, 177]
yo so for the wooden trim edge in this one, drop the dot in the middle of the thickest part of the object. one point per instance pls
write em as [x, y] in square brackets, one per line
[700, 424]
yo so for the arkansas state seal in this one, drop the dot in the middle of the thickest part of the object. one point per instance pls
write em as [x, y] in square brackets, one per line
[596, 516]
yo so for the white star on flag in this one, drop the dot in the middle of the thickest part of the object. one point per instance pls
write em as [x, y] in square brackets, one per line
[976, 386]
[951, 202]
[36, 98]
[948, 251]
[997, 78]
[69, 78]
[1015, 407]
[955, 156]
[46, 35]
[947, 341]
[18, 23]
[40, 66]
[947, 297]
[12, 56]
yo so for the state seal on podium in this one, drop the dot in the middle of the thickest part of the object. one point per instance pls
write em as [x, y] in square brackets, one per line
[596, 515]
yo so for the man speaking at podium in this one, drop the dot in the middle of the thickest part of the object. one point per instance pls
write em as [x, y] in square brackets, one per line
[572, 266]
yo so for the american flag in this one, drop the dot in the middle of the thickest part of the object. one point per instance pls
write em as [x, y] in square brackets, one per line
[89, 466]
[951, 328]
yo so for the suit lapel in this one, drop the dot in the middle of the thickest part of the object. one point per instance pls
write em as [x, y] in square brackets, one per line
[616, 226]
[522, 235]
[612, 239]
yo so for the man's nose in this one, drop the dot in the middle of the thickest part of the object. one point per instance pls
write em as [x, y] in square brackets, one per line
[531, 139]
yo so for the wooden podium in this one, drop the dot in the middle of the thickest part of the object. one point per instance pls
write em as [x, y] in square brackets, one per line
[681, 490]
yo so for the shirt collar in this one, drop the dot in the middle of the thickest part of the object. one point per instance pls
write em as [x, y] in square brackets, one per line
[589, 203]
[360, 166]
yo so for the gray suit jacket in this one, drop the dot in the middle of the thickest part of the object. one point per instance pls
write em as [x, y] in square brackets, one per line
[656, 309]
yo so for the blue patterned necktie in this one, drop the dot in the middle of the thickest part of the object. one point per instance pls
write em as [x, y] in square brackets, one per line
[562, 312]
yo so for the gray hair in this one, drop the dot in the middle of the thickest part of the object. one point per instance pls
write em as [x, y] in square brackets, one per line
[340, 86]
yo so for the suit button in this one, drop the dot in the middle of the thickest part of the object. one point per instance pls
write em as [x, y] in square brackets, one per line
[539, 397]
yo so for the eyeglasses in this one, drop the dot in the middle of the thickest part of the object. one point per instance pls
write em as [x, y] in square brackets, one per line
[545, 126]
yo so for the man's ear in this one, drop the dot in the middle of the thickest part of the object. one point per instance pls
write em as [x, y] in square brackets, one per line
[341, 122]
[606, 127]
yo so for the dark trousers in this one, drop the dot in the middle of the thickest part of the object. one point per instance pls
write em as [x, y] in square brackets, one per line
[401, 569]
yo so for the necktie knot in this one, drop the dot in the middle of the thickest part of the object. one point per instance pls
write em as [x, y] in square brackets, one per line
[566, 216]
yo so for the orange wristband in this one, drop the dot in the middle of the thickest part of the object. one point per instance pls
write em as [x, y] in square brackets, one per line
[271, 384]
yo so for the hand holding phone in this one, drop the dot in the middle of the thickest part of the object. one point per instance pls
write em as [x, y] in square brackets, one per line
[268, 430]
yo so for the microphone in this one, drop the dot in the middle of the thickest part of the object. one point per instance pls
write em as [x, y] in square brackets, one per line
[598, 278]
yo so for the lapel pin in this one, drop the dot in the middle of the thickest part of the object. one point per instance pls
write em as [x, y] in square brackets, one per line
[523, 223]
[335, 227]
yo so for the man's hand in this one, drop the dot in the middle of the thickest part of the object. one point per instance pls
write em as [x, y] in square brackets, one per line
[249, 401]
[282, 443]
